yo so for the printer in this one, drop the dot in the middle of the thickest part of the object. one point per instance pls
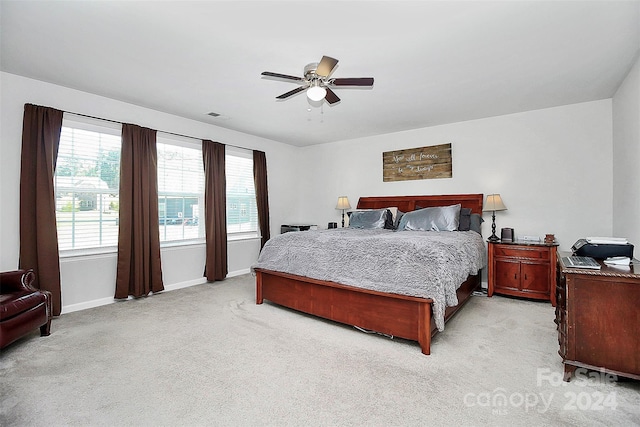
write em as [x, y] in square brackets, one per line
[603, 247]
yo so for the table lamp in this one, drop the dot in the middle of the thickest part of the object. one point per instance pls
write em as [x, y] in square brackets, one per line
[494, 203]
[343, 204]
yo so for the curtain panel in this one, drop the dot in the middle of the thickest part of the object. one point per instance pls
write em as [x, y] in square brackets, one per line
[38, 234]
[262, 194]
[215, 210]
[139, 271]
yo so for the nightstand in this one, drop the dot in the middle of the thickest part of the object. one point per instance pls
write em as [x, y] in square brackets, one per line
[523, 269]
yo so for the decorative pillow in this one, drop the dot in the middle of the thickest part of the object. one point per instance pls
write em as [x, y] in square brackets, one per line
[394, 213]
[465, 219]
[377, 218]
[475, 223]
[441, 218]
[396, 221]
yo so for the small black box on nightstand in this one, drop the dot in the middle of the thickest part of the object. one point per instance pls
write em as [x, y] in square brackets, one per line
[506, 235]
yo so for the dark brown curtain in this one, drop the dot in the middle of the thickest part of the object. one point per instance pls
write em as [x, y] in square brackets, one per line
[38, 235]
[215, 210]
[262, 194]
[139, 270]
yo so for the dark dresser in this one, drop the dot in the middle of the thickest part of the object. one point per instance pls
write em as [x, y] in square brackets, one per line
[597, 314]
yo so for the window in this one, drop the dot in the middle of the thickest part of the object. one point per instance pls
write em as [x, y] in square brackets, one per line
[180, 189]
[86, 185]
[242, 213]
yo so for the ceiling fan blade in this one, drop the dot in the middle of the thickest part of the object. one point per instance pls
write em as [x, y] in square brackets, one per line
[331, 96]
[326, 66]
[283, 76]
[357, 81]
[291, 92]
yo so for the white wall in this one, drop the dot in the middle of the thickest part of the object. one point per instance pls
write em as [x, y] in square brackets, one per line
[626, 158]
[91, 280]
[553, 168]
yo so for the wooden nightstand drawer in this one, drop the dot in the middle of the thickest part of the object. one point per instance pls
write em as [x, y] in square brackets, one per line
[522, 252]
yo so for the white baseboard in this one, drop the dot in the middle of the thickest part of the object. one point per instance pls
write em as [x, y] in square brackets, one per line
[239, 272]
[186, 284]
[110, 300]
[86, 305]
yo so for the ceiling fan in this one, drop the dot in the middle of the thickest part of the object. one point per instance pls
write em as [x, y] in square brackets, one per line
[317, 83]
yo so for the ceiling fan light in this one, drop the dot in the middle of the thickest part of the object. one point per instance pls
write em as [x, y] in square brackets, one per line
[316, 93]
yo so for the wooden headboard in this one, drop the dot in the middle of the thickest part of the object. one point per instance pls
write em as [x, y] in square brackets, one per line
[411, 203]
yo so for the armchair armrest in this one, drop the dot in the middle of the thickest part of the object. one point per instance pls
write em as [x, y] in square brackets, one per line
[17, 280]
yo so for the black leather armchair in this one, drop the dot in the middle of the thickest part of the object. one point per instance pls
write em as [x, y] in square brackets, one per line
[22, 307]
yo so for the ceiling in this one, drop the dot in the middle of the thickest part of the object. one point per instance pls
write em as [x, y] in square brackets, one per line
[433, 62]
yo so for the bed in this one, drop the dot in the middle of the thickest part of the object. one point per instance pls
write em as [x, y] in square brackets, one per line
[409, 315]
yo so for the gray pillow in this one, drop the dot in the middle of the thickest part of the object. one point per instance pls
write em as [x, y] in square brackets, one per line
[442, 218]
[475, 223]
[465, 219]
[378, 218]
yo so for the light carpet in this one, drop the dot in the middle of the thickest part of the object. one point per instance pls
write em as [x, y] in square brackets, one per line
[209, 356]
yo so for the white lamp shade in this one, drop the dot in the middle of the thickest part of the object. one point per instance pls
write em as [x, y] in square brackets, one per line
[343, 203]
[316, 93]
[494, 203]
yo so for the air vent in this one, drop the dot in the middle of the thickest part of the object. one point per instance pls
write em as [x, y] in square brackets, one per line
[212, 114]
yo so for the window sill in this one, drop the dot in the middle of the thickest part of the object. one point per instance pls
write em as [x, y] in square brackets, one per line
[89, 253]
[181, 244]
[113, 250]
[236, 237]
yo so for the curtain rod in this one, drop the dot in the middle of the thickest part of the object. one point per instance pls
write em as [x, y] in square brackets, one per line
[163, 131]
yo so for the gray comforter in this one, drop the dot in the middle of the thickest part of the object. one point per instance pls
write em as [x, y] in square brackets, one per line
[417, 263]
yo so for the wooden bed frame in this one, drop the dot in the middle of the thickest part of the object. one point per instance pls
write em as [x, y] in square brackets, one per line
[397, 315]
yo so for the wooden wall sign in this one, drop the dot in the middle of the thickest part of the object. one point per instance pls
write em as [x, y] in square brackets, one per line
[417, 163]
